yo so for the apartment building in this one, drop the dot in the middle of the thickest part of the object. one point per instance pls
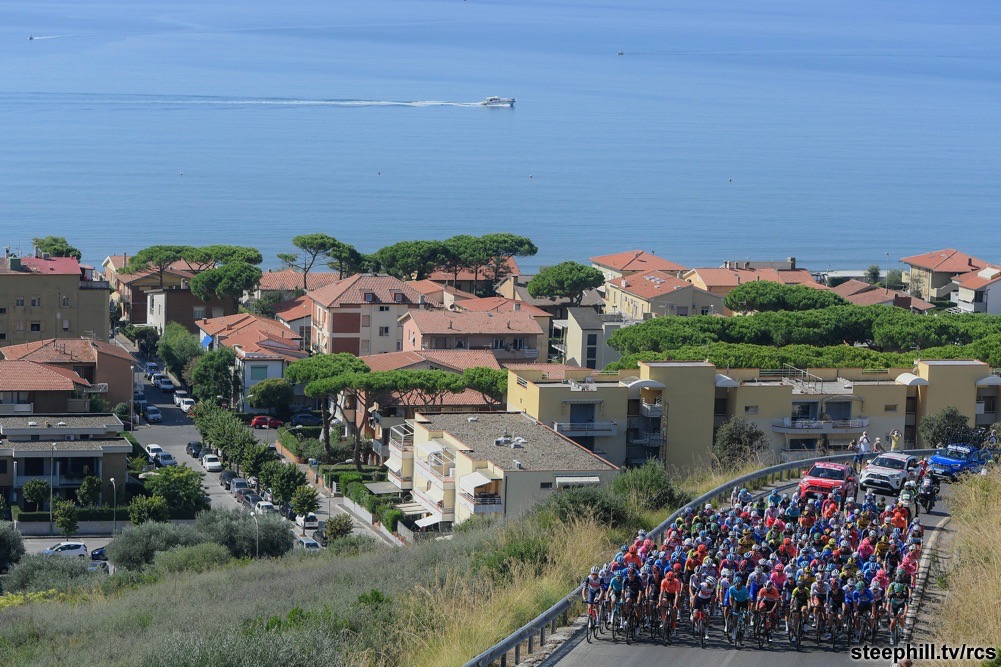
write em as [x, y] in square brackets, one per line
[930, 275]
[61, 449]
[178, 304]
[510, 336]
[361, 314]
[659, 294]
[107, 367]
[461, 465]
[289, 283]
[516, 287]
[130, 289]
[671, 410]
[475, 281]
[582, 338]
[866, 294]
[978, 292]
[51, 297]
[27, 387]
[630, 262]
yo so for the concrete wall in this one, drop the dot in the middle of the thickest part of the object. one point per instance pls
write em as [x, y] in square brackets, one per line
[688, 401]
[85, 311]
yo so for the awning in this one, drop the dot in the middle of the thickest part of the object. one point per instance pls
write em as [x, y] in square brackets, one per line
[427, 521]
[564, 482]
[634, 382]
[206, 340]
[411, 509]
[582, 401]
[911, 380]
[989, 381]
[435, 493]
[726, 381]
[432, 448]
[382, 488]
[469, 482]
[395, 464]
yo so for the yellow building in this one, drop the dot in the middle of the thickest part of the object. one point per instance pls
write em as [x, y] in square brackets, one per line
[462, 465]
[658, 294]
[51, 297]
[671, 410]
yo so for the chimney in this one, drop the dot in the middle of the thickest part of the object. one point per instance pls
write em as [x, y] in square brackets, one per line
[747, 265]
[517, 306]
[792, 263]
[36, 251]
[6, 251]
[509, 324]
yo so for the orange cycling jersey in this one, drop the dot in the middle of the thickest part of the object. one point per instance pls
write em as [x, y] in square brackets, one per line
[670, 587]
[765, 596]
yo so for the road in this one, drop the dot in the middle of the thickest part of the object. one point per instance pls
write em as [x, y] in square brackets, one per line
[718, 653]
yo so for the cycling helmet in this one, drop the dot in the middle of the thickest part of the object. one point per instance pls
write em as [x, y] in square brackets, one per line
[596, 569]
[769, 584]
[860, 586]
[738, 580]
[704, 586]
[624, 548]
[708, 562]
[603, 572]
[645, 570]
[710, 582]
[726, 574]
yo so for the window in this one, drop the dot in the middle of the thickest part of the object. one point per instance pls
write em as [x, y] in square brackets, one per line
[34, 466]
[498, 343]
[36, 301]
[545, 485]
[383, 309]
[366, 320]
[518, 343]
[369, 297]
[750, 409]
[36, 326]
[592, 339]
[20, 325]
[398, 297]
[2, 310]
[990, 404]
[66, 325]
[198, 312]
[19, 301]
[258, 373]
[383, 331]
[719, 407]
[66, 302]
[3, 336]
[704, 310]
[912, 405]
[890, 408]
[3, 466]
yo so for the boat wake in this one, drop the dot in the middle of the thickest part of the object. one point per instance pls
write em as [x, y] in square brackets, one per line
[279, 102]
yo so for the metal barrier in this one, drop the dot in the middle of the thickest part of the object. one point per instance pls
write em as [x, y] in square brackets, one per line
[547, 620]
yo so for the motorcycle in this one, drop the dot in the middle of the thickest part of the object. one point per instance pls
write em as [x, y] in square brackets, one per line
[927, 495]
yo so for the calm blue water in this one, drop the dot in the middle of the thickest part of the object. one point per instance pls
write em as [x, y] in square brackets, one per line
[849, 129]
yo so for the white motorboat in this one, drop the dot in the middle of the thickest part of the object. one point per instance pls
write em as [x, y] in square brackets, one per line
[498, 102]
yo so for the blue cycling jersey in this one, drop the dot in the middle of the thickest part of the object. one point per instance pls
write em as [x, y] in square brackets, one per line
[616, 584]
[735, 594]
[862, 597]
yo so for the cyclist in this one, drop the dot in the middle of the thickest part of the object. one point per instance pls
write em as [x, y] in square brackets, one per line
[768, 602]
[616, 587]
[818, 600]
[897, 597]
[670, 597]
[738, 597]
[862, 598]
[701, 602]
[592, 592]
[799, 601]
[835, 599]
[634, 595]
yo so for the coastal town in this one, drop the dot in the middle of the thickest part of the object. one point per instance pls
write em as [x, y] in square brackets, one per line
[179, 409]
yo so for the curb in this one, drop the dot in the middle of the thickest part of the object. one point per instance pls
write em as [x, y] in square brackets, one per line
[924, 570]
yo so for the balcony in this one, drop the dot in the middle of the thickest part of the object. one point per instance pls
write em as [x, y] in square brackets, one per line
[58, 481]
[401, 482]
[511, 354]
[16, 408]
[645, 439]
[436, 507]
[481, 504]
[401, 438]
[597, 428]
[95, 284]
[817, 427]
[654, 410]
[438, 469]
[381, 449]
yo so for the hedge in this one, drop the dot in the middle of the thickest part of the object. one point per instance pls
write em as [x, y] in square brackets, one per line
[391, 516]
[91, 514]
[137, 449]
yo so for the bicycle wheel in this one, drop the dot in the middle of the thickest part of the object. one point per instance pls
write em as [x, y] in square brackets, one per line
[591, 628]
[760, 629]
[799, 633]
[615, 624]
[603, 617]
[702, 632]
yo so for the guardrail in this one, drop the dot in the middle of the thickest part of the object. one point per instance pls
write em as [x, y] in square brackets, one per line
[548, 620]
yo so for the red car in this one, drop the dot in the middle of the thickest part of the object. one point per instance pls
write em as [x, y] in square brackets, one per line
[264, 421]
[825, 478]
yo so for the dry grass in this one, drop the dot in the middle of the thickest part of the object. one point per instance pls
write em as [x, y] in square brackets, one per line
[970, 613]
[703, 480]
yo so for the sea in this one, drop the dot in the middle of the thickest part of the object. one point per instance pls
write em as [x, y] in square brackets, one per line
[841, 133]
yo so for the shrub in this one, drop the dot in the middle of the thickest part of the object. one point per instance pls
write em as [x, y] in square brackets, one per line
[11, 545]
[589, 503]
[390, 516]
[151, 508]
[138, 546]
[352, 545]
[737, 441]
[66, 517]
[345, 478]
[647, 487]
[36, 491]
[44, 573]
[237, 531]
[196, 558]
[339, 526]
[518, 548]
[357, 492]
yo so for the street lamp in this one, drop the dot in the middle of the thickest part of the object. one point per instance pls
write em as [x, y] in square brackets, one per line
[886, 281]
[114, 507]
[257, 541]
[52, 469]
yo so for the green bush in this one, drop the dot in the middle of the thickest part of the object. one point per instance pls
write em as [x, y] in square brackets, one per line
[238, 532]
[390, 516]
[346, 477]
[647, 487]
[590, 503]
[339, 526]
[137, 449]
[138, 546]
[11, 545]
[352, 545]
[44, 573]
[196, 558]
[372, 503]
[357, 492]
[148, 508]
[517, 547]
[83, 514]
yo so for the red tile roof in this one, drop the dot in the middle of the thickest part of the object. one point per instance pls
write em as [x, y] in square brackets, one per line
[500, 304]
[288, 280]
[179, 268]
[978, 279]
[637, 260]
[230, 324]
[31, 376]
[850, 287]
[651, 284]
[714, 277]
[352, 291]
[437, 322]
[63, 351]
[876, 296]
[251, 342]
[54, 266]
[294, 309]
[946, 261]
[430, 288]
[467, 275]
[457, 360]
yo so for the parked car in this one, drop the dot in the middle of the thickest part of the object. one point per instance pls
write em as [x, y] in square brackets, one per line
[186, 404]
[240, 494]
[824, 478]
[952, 461]
[320, 534]
[306, 419]
[165, 384]
[98, 566]
[151, 369]
[238, 484]
[155, 378]
[307, 521]
[178, 395]
[140, 402]
[194, 449]
[226, 477]
[164, 459]
[264, 507]
[100, 553]
[152, 414]
[887, 472]
[264, 421]
[306, 544]
[67, 549]
[250, 500]
[212, 463]
[287, 512]
[152, 450]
